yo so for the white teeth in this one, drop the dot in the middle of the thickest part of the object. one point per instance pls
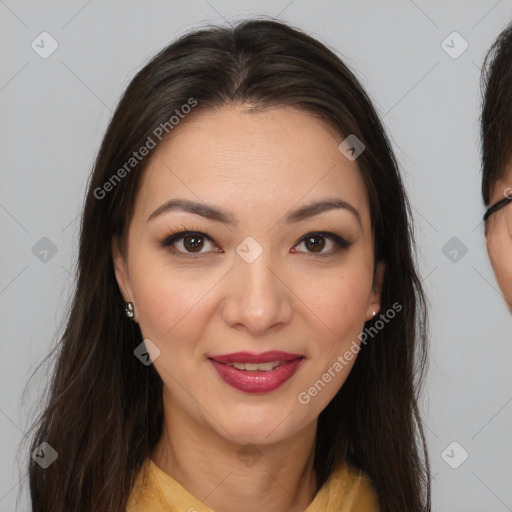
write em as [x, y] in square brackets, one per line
[265, 367]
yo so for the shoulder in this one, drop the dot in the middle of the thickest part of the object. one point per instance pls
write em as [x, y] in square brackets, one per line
[348, 489]
[365, 495]
[139, 490]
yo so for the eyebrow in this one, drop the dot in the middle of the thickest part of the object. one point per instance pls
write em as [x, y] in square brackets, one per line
[219, 215]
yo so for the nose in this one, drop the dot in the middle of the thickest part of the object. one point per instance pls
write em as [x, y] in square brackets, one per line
[257, 297]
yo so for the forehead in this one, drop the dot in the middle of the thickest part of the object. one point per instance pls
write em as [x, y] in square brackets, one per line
[253, 161]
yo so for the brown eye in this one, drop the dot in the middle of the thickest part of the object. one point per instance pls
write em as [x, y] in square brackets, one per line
[193, 243]
[189, 243]
[315, 243]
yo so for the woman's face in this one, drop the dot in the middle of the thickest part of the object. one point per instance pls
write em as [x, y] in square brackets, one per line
[498, 236]
[248, 282]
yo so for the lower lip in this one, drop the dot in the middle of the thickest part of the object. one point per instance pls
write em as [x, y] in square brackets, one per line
[256, 381]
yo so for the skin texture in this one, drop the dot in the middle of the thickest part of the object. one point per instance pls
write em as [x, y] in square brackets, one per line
[258, 167]
[498, 236]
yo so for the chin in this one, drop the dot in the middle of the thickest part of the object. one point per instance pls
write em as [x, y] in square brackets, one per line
[257, 432]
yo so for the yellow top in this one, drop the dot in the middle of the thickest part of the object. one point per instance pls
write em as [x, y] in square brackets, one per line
[347, 490]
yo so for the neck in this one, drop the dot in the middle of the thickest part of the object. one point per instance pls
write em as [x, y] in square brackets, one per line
[224, 475]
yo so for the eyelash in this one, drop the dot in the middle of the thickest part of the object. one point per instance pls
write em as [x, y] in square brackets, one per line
[177, 235]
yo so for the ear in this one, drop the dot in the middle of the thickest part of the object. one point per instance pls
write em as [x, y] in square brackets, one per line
[374, 300]
[121, 272]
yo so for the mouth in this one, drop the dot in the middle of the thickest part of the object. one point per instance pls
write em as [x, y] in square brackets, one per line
[256, 373]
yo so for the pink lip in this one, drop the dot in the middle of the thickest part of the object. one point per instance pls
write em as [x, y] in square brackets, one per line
[256, 381]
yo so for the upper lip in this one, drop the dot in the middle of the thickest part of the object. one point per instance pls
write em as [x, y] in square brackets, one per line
[248, 357]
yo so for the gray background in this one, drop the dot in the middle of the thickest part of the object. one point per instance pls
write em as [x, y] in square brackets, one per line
[54, 114]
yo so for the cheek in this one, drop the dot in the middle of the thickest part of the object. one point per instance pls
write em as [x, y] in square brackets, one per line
[337, 306]
[499, 248]
[341, 296]
[341, 303]
[165, 300]
[333, 353]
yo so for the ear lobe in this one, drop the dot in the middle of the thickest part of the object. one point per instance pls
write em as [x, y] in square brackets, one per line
[121, 272]
[375, 296]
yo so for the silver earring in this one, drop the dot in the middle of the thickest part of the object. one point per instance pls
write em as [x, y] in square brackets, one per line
[374, 313]
[129, 311]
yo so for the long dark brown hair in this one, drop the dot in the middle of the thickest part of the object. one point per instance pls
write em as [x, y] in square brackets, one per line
[103, 411]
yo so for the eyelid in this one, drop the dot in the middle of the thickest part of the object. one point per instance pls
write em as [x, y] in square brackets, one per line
[175, 236]
[178, 235]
